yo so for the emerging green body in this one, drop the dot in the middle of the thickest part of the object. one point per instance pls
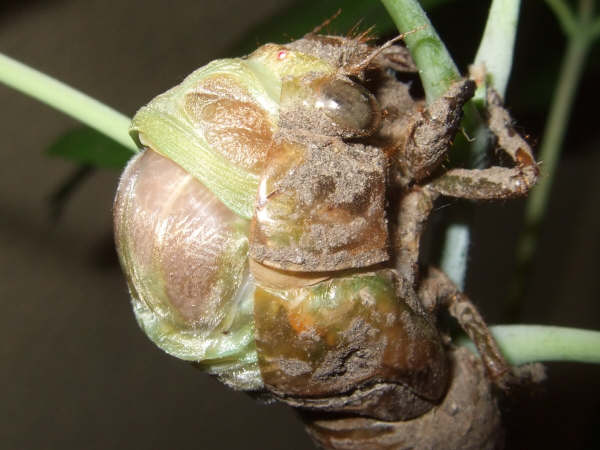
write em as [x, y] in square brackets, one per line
[254, 231]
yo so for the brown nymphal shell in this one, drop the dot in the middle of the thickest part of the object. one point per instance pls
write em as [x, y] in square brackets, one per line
[321, 206]
[258, 244]
[348, 345]
[232, 145]
[467, 419]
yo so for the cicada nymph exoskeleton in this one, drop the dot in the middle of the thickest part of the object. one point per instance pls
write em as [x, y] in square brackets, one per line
[256, 235]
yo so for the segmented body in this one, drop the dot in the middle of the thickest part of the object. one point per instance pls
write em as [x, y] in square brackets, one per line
[254, 231]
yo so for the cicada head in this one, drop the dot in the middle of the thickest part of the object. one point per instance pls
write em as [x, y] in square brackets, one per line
[321, 199]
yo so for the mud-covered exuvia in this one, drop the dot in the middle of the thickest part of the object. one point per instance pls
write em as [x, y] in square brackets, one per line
[270, 233]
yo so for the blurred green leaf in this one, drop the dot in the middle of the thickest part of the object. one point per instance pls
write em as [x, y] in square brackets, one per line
[303, 16]
[67, 188]
[88, 147]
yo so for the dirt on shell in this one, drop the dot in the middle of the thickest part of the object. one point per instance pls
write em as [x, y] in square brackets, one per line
[467, 419]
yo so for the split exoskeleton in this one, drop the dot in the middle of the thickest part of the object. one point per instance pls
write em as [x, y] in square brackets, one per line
[270, 231]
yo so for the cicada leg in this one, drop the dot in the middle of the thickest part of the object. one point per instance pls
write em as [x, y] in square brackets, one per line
[437, 290]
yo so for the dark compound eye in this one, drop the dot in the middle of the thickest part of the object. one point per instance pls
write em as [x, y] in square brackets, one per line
[349, 105]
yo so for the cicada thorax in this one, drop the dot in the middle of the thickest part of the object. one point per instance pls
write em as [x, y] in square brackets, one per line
[346, 342]
[321, 206]
[321, 199]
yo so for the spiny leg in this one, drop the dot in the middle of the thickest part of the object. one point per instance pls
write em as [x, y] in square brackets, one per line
[396, 58]
[494, 182]
[438, 290]
[500, 123]
[427, 138]
[413, 210]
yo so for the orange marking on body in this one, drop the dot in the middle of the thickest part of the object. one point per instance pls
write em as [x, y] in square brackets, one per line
[300, 322]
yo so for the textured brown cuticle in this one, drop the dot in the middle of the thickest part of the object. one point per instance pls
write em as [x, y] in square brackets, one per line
[468, 419]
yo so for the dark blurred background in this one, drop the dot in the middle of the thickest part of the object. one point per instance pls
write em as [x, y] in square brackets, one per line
[76, 372]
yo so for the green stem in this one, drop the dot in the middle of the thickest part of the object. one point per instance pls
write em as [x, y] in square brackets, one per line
[498, 42]
[556, 127]
[66, 99]
[595, 29]
[564, 15]
[522, 344]
[554, 133]
[455, 251]
[436, 67]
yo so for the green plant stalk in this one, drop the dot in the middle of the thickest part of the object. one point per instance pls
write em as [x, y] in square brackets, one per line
[564, 15]
[436, 67]
[570, 73]
[455, 252]
[498, 42]
[595, 29]
[66, 99]
[522, 344]
[556, 127]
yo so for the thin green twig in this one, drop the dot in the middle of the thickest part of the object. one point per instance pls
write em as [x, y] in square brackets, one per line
[570, 74]
[436, 67]
[498, 42]
[565, 16]
[595, 29]
[66, 99]
[522, 344]
[556, 127]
